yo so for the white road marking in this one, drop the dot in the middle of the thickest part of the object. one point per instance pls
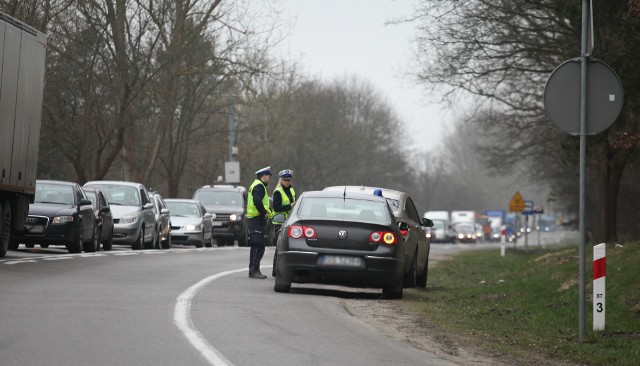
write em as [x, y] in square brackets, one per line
[20, 261]
[56, 258]
[182, 319]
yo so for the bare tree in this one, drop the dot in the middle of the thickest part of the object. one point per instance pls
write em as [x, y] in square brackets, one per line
[503, 51]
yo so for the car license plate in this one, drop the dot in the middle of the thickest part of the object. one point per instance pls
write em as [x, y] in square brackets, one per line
[341, 261]
[34, 229]
[217, 223]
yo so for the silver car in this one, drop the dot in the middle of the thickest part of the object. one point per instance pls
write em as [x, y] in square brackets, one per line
[163, 222]
[191, 224]
[412, 227]
[132, 210]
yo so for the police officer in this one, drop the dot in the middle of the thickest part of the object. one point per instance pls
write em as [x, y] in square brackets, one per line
[284, 196]
[258, 212]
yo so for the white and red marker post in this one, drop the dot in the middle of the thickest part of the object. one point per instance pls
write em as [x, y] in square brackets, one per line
[599, 274]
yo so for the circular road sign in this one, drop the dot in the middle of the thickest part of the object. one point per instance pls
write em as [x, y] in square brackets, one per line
[562, 96]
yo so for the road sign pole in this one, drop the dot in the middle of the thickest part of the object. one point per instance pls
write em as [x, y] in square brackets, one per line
[583, 154]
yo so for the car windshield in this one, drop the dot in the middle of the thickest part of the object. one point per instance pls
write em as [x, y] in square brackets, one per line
[54, 193]
[464, 227]
[121, 195]
[343, 209]
[219, 198]
[183, 209]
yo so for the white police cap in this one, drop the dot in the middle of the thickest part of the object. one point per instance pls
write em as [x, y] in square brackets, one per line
[287, 173]
[264, 171]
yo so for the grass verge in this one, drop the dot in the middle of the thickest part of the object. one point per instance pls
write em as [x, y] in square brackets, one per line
[529, 301]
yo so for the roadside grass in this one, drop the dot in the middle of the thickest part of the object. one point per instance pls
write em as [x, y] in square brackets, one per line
[529, 301]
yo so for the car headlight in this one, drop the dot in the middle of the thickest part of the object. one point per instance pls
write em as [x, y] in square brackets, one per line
[234, 217]
[192, 227]
[62, 219]
[428, 235]
[130, 218]
[461, 236]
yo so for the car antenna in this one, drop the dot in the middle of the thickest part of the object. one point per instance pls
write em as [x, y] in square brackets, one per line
[344, 194]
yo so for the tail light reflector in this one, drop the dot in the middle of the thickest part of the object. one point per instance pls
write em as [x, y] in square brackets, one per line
[386, 237]
[297, 231]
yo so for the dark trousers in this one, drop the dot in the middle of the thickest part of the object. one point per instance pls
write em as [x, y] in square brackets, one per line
[256, 226]
[276, 229]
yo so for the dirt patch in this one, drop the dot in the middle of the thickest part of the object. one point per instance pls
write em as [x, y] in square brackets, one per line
[395, 319]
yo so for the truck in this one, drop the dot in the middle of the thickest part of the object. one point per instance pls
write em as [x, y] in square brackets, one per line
[22, 57]
[440, 232]
[497, 218]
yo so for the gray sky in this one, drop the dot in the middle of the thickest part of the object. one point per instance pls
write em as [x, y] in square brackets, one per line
[336, 38]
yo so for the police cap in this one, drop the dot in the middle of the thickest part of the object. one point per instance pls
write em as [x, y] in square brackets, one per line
[287, 174]
[264, 171]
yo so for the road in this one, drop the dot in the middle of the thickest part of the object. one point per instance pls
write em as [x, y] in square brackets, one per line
[182, 306]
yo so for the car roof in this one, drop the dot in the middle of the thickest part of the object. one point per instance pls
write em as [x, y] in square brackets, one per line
[387, 193]
[187, 200]
[340, 194]
[222, 187]
[59, 182]
[115, 182]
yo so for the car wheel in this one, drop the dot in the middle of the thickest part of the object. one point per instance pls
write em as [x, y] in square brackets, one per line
[76, 247]
[4, 227]
[93, 243]
[44, 246]
[201, 243]
[281, 284]
[107, 244]
[137, 245]
[410, 277]
[394, 291]
[221, 242]
[151, 244]
[156, 239]
[166, 243]
[29, 246]
[209, 242]
[243, 241]
[421, 281]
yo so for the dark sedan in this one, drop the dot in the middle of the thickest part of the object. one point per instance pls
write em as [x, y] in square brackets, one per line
[60, 215]
[342, 238]
[103, 215]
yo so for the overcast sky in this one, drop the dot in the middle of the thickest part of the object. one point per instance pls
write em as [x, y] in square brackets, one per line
[337, 38]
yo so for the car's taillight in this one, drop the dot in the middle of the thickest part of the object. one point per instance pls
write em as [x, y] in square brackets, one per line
[386, 237]
[297, 231]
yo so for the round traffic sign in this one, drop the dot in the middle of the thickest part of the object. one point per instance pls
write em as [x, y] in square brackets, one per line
[562, 96]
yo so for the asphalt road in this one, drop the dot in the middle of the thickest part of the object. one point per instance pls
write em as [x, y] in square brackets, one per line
[181, 306]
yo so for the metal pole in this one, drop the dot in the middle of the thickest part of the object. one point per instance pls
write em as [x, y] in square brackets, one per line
[584, 58]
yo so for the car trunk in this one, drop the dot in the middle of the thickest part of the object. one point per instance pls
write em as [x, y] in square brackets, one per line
[329, 234]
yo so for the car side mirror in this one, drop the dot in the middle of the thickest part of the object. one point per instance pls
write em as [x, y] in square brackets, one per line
[427, 222]
[148, 206]
[105, 209]
[84, 202]
[165, 211]
[208, 215]
[279, 219]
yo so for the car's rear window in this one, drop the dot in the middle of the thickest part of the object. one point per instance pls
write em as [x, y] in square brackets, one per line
[228, 198]
[343, 209]
[184, 209]
[120, 194]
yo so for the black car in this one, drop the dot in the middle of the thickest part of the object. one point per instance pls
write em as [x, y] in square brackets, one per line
[103, 215]
[60, 215]
[342, 238]
[228, 204]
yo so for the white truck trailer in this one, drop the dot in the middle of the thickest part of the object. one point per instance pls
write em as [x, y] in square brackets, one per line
[22, 58]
